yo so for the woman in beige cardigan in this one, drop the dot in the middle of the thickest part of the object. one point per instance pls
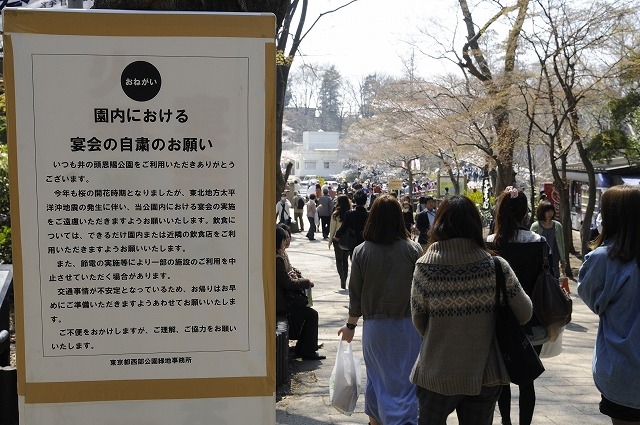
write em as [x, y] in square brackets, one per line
[453, 299]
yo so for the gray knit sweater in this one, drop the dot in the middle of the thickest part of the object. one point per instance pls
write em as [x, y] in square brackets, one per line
[380, 280]
[453, 308]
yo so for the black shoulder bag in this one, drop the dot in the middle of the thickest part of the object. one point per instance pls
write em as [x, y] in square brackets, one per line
[349, 240]
[551, 304]
[520, 358]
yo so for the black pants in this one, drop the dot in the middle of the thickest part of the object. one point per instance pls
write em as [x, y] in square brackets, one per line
[303, 326]
[527, 400]
[325, 220]
[312, 227]
[434, 408]
[342, 262]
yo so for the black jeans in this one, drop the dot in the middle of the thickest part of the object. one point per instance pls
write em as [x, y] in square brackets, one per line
[325, 221]
[303, 326]
[342, 261]
[434, 408]
[312, 227]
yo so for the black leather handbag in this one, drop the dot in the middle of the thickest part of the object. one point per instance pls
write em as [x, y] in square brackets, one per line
[349, 240]
[551, 304]
[520, 358]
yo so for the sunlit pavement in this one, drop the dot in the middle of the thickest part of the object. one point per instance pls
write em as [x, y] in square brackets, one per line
[565, 392]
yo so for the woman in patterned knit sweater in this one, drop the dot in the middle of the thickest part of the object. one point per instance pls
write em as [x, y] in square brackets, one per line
[453, 307]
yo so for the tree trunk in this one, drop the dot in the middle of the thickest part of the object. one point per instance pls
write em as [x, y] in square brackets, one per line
[454, 181]
[281, 89]
[506, 141]
[585, 228]
[506, 136]
[574, 120]
[565, 219]
[532, 183]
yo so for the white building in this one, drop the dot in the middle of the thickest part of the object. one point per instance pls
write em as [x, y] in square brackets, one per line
[320, 154]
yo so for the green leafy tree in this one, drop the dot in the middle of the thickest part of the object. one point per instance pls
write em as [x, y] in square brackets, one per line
[5, 222]
[368, 92]
[330, 99]
[621, 139]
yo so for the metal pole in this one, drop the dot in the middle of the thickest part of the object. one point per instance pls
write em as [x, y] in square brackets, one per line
[75, 4]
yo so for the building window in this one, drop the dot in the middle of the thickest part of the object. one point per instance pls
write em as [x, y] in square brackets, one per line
[326, 165]
[310, 165]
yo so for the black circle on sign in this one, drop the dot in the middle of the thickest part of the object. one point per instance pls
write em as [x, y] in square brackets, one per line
[141, 81]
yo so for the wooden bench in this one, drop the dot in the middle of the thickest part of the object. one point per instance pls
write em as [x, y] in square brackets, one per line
[282, 351]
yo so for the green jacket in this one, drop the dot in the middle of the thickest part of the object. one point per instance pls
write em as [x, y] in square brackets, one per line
[537, 227]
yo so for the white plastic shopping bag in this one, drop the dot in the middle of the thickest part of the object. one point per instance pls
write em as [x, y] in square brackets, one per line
[345, 380]
[553, 347]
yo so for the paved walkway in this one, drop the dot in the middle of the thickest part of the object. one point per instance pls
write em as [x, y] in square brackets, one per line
[565, 392]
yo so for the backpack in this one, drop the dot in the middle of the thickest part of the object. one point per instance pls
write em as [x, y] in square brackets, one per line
[300, 204]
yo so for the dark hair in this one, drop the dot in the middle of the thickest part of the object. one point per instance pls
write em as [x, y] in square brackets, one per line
[510, 212]
[543, 207]
[281, 234]
[385, 223]
[422, 200]
[359, 197]
[312, 196]
[457, 217]
[343, 205]
[285, 227]
[619, 207]
[325, 191]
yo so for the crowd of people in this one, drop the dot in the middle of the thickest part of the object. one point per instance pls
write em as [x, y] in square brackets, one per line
[425, 280]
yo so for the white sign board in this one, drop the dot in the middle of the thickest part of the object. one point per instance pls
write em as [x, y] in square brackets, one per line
[140, 233]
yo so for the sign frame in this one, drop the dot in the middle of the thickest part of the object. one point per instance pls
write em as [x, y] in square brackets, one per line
[146, 24]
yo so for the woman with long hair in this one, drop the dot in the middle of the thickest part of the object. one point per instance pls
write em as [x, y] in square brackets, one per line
[343, 206]
[524, 250]
[453, 303]
[552, 231]
[609, 284]
[407, 213]
[380, 292]
[355, 219]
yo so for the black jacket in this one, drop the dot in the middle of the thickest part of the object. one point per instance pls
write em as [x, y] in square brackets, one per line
[422, 224]
[354, 219]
